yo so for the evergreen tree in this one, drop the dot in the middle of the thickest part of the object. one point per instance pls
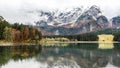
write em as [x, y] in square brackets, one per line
[7, 34]
[3, 24]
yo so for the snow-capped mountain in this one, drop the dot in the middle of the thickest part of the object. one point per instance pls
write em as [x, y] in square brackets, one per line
[92, 13]
[73, 21]
[59, 17]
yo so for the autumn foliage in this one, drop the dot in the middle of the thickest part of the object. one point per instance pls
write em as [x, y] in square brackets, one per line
[18, 32]
[26, 33]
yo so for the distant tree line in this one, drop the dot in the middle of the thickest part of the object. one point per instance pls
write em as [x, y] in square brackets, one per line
[79, 37]
[18, 32]
[117, 36]
[92, 36]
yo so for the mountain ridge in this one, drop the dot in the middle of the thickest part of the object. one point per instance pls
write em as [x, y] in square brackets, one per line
[74, 21]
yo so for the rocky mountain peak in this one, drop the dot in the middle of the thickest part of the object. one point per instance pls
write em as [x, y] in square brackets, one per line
[116, 20]
[93, 11]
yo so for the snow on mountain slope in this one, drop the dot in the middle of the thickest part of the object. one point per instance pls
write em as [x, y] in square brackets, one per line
[72, 21]
[58, 16]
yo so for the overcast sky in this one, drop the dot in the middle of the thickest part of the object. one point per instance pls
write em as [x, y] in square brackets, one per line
[15, 10]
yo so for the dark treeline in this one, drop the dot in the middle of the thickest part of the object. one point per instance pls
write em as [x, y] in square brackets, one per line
[18, 32]
[117, 36]
[92, 36]
[79, 37]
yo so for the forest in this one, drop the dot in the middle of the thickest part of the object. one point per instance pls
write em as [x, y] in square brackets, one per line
[18, 32]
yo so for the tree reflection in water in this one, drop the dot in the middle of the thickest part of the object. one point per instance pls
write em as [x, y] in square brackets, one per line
[71, 56]
[17, 53]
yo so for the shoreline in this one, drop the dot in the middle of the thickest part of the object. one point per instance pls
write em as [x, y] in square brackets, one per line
[27, 43]
[81, 42]
[53, 42]
[17, 44]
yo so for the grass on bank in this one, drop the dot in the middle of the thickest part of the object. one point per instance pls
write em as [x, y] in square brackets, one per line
[4, 42]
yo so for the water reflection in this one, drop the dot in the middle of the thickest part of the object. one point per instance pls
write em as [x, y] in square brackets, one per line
[71, 56]
[79, 58]
[105, 45]
[17, 53]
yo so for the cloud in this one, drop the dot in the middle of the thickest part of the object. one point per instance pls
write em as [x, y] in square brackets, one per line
[15, 10]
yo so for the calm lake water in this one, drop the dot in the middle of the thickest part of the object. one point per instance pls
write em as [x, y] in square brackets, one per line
[82, 55]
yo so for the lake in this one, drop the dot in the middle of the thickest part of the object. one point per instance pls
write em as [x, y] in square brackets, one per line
[81, 55]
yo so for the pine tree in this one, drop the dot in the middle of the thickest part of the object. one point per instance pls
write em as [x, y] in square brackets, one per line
[7, 34]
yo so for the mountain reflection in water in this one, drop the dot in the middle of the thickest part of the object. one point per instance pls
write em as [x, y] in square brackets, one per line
[82, 55]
